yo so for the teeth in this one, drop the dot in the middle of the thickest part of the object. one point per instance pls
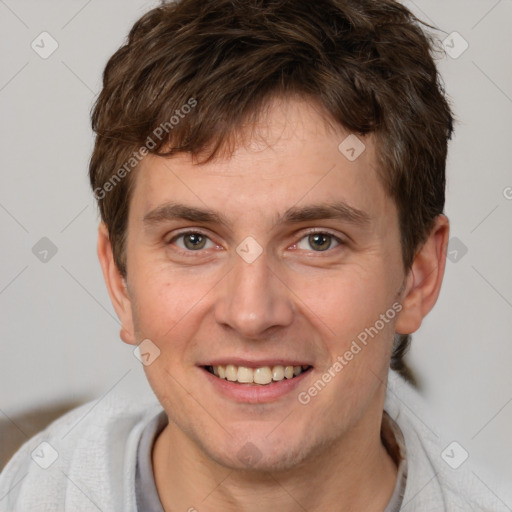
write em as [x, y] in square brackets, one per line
[231, 372]
[245, 375]
[278, 373]
[262, 375]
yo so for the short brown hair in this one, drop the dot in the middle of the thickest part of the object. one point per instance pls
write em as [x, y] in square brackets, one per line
[367, 63]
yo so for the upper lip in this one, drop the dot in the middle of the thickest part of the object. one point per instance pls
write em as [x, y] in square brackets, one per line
[253, 363]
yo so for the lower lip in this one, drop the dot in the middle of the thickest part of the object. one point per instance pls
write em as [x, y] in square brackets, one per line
[255, 393]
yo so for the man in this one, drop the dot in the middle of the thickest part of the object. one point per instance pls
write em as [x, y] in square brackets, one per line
[270, 176]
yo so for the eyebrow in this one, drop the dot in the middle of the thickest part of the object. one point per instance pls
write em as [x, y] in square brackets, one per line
[338, 210]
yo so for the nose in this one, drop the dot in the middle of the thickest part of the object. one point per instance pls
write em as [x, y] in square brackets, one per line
[253, 300]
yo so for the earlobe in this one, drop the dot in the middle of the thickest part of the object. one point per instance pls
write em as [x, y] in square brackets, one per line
[424, 279]
[116, 286]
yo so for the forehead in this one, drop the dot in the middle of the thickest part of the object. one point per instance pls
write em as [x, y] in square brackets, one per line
[294, 157]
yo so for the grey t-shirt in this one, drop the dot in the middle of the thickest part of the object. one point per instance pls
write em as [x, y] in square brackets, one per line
[149, 501]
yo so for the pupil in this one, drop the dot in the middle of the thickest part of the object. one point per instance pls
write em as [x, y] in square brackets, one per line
[194, 241]
[322, 242]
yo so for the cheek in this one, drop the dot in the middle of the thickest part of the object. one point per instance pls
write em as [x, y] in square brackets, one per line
[167, 314]
[345, 302]
[353, 311]
[165, 304]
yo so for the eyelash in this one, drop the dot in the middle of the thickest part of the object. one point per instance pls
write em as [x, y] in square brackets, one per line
[308, 233]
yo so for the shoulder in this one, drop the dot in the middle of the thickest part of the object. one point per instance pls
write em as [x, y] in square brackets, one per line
[439, 474]
[84, 460]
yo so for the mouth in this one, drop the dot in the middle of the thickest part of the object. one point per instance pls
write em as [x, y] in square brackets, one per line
[259, 376]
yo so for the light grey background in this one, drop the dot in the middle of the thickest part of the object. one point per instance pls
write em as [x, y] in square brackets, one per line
[59, 336]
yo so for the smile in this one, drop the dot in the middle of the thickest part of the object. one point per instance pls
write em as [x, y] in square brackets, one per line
[260, 376]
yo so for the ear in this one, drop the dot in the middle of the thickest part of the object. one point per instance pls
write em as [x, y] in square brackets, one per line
[423, 282]
[116, 286]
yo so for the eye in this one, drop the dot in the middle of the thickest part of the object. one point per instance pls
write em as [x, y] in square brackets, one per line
[192, 241]
[318, 242]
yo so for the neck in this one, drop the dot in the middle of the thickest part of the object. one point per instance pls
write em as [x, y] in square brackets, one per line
[354, 473]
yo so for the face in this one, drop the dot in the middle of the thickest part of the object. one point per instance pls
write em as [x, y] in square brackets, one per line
[286, 253]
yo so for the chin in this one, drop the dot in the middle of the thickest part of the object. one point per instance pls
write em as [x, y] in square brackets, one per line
[258, 454]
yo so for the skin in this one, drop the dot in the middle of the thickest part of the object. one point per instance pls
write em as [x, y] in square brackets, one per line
[293, 301]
